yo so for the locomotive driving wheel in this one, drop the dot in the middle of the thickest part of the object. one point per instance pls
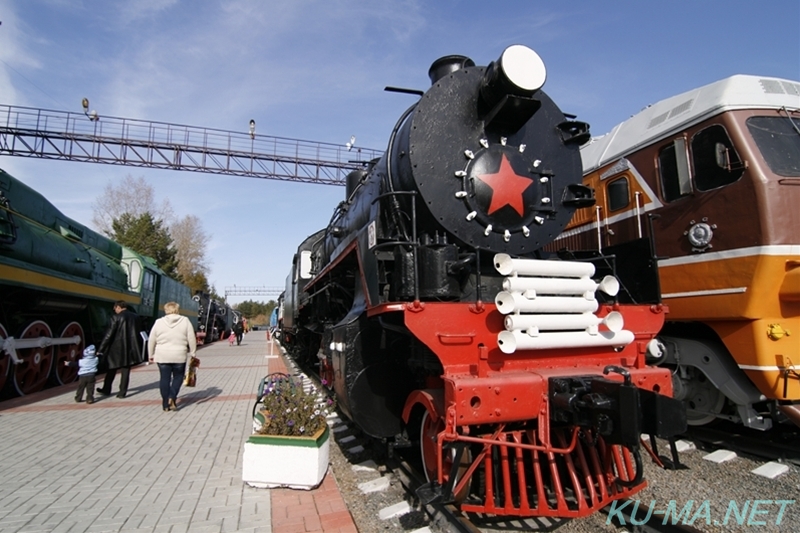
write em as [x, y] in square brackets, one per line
[428, 435]
[31, 374]
[63, 374]
[5, 360]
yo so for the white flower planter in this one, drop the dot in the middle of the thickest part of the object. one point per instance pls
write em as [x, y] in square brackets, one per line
[279, 461]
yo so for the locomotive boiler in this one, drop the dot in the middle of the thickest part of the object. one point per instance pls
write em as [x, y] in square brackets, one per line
[58, 280]
[716, 169]
[430, 309]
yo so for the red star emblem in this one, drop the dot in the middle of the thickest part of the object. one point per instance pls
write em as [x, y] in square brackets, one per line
[507, 187]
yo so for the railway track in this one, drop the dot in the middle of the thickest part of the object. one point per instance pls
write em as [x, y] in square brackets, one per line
[446, 517]
[778, 444]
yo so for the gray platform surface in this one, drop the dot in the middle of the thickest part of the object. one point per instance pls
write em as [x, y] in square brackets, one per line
[126, 465]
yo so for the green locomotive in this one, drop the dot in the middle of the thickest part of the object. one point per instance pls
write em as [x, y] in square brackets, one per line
[58, 280]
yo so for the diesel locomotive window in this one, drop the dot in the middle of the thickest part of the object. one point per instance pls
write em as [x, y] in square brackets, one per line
[716, 162]
[8, 232]
[6, 226]
[673, 169]
[617, 192]
[778, 139]
[149, 281]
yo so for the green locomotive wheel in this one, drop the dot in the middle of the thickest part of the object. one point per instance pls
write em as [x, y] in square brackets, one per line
[31, 374]
[62, 374]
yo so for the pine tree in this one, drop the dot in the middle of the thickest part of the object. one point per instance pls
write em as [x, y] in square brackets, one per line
[197, 282]
[147, 236]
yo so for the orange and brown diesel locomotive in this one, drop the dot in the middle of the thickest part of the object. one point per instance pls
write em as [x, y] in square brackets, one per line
[712, 177]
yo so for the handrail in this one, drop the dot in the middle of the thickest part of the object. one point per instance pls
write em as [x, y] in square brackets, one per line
[65, 135]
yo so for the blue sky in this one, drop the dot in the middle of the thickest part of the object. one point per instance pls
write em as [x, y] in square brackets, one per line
[316, 69]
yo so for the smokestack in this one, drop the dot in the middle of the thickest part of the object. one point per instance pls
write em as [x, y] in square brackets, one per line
[447, 65]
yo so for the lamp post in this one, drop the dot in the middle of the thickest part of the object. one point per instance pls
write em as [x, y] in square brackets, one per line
[93, 116]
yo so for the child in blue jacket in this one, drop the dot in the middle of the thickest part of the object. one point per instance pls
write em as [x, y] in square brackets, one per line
[87, 369]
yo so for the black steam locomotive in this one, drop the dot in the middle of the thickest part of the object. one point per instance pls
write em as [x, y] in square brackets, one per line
[215, 319]
[429, 307]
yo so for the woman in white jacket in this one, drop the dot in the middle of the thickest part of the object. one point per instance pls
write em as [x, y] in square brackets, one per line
[172, 344]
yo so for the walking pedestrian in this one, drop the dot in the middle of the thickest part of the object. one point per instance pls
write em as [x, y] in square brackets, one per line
[120, 346]
[238, 331]
[87, 370]
[172, 344]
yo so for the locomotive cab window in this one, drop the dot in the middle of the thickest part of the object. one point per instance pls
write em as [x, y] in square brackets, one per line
[779, 142]
[673, 167]
[715, 160]
[305, 264]
[8, 233]
[617, 192]
[149, 281]
[134, 269]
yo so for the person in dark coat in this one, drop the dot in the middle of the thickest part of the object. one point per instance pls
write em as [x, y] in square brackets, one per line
[238, 330]
[120, 347]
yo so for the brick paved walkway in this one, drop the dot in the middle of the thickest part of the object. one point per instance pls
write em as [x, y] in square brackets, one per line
[126, 465]
[318, 510]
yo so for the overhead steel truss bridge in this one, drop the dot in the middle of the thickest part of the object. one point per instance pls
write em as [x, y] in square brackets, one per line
[253, 291]
[87, 137]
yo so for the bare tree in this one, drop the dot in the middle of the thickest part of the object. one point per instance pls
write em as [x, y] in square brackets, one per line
[191, 240]
[133, 196]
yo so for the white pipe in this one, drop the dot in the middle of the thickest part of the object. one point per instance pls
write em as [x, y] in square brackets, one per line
[505, 265]
[511, 302]
[608, 285]
[550, 285]
[511, 341]
[599, 236]
[614, 321]
[636, 198]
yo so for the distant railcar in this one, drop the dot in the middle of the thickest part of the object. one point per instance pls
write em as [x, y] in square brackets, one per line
[58, 280]
[712, 176]
[215, 318]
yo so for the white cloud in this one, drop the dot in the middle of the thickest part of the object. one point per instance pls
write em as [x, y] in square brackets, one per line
[315, 70]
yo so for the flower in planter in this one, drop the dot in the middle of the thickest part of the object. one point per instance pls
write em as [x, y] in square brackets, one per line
[289, 410]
